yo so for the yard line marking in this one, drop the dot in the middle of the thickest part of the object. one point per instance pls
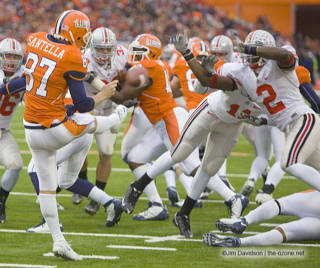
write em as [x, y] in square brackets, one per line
[119, 197]
[25, 265]
[148, 237]
[50, 254]
[142, 248]
[164, 238]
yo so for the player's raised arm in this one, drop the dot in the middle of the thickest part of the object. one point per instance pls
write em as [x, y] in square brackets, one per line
[206, 79]
[14, 86]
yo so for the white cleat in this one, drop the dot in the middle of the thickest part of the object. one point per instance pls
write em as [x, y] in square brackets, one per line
[62, 249]
[248, 187]
[154, 212]
[237, 205]
[121, 111]
[42, 228]
[263, 197]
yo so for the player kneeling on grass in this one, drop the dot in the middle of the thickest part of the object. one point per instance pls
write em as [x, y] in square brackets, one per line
[303, 205]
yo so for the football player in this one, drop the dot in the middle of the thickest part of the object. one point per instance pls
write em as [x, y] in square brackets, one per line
[11, 55]
[298, 205]
[107, 60]
[54, 64]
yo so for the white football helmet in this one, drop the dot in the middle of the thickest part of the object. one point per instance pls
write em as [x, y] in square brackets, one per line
[11, 55]
[103, 46]
[222, 47]
[258, 38]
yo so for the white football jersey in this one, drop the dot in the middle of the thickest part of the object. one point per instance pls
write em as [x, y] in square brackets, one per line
[118, 63]
[228, 105]
[8, 104]
[276, 91]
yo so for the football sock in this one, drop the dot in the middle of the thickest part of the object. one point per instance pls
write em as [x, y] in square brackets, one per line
[150, 189]
[170, 177]
[216, 184]
[99, 196]
[48, 206]
[186, 182]
[101, 185]
[258, 166]
[3, 195]
[266, 211]
[199, 183]
[187, 206]
[82, 187]
[275, 174]
[305, 173]
[272, 237]
[9, 179]
[163, 163]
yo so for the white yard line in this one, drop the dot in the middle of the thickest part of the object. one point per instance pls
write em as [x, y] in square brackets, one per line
[141, 248]
[50, 254]
[149, 238]
[25, 265]
[269, 224]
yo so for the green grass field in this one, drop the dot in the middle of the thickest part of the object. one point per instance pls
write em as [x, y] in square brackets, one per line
[89, 236]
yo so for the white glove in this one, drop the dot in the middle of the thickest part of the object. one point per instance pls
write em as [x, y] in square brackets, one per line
[180, 42]
[253, 120]
[208, 63]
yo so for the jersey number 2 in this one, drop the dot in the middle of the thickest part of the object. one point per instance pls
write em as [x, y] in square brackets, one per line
[278, 106]
[50, 65]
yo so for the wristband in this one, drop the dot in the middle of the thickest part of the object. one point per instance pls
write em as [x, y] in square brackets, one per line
[188, 55]
[249, 49]
[97, 83]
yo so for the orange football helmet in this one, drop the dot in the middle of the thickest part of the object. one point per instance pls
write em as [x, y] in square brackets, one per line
[73, 26]
[145, 46]
[199, 49]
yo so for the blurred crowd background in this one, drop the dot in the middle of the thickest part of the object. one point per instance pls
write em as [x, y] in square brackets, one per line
[128, 18]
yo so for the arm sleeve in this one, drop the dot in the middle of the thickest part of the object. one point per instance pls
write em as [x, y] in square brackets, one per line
[14, 86]
[81, 102]
[311, 96]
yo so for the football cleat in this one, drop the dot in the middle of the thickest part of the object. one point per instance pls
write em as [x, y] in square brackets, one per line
[63, 249]
[248, 187]
[236, 205]
[198, 204]
[42, 227]
[2, 212]
[173, 196]
[183, 223]
[130, 199]
[154, 212]
[236, 226]
[92, 208]
[77, 198]
[114, 210]
[213, 240]
[227, 182]
[262, 197]
[121, 111]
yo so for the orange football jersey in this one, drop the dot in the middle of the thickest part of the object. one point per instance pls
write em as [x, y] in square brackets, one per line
[156, 101]
[47, 62]
[303, 74]
[187, 80]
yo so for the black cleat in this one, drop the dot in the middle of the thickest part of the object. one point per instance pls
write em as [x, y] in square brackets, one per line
[183, 223]
[76, 198]
[92, 208]
[130, 199]
[2, 213]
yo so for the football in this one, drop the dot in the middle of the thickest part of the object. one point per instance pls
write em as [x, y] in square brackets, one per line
[137, 76]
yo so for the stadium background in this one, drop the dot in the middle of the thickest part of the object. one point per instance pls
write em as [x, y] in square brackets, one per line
[290, 21]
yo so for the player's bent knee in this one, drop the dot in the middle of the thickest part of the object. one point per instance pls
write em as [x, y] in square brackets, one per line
[67, 182]
[211, 166]
[14, 162]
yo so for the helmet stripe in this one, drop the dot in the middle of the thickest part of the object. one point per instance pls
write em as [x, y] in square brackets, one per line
[203, 46]
[218, 41]
[13, 44]
[60, 21]
[106, 36]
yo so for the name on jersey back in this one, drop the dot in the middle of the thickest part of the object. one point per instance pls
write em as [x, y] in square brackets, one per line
[46, 47]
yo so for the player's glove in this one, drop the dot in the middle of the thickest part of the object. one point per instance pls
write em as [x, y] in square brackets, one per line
[181, 44]
[208, 63]
[89, 77]
[253, 120]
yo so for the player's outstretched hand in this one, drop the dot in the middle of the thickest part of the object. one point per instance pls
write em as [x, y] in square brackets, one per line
[109, 89]
[180, 41]
[253, 120]
[208, 63]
